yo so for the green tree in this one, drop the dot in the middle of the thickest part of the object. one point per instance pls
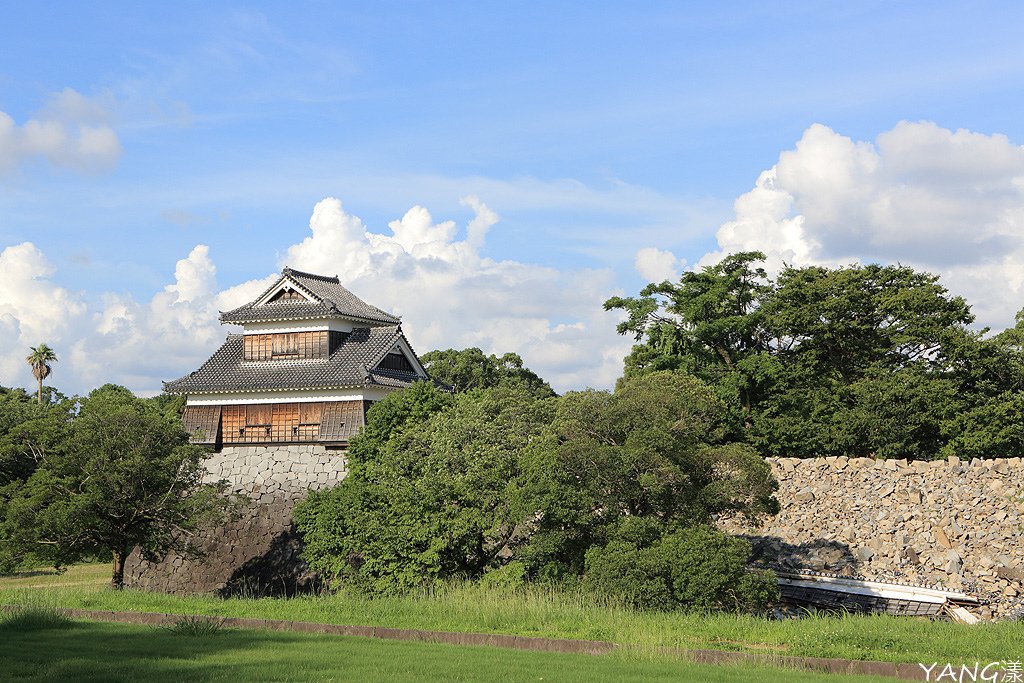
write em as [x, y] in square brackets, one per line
[709, 325]
[125, 476]
[40, 360]
[863, 360]
[697, 568]
[987, 416]
[29, 432]
[472, 369]
[654, 449]
[841, 323]
[170, 405]
[431, 500]
[502, 485]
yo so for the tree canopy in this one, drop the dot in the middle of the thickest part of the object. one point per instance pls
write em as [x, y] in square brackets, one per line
[498, 483]
[862, 360]
[121, 475]
[472, 369]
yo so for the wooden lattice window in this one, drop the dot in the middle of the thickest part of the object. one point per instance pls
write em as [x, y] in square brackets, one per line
[313, 422]
[286, 345]
[272, 423]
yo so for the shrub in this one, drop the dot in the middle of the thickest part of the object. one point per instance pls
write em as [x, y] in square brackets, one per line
[697, 568]
[197, 626]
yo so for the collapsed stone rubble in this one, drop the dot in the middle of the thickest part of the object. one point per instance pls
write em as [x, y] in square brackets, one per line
[947, 523]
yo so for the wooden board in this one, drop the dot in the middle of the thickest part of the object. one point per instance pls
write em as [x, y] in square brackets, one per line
[202, 423]
[341, 420]
[285, 346]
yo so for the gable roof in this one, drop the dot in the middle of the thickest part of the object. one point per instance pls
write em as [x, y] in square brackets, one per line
[327, 299]
[352, 364]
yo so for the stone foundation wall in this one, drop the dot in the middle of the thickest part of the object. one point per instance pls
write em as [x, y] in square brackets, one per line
[945, 523]
[258, 551]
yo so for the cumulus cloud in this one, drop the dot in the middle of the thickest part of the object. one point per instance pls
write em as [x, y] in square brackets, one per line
[140, 343]
[656, 265]
[33, 310]
[949, 202]
[450, 295]
[71, 131]
[432, 273]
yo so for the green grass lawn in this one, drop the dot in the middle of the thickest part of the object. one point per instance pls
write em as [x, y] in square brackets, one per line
[548, 613]
[118, 652]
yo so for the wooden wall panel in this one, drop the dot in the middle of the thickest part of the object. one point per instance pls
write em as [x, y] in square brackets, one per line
[342, 420]
[202, 423]
[286, 346]
[285, 422]
[233, 424]
[310, 413]
[331, 422]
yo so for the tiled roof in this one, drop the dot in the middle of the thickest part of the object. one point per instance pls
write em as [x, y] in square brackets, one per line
[351, 364]
[330, 299]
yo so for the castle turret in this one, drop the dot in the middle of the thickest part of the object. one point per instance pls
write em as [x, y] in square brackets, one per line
[311, 359]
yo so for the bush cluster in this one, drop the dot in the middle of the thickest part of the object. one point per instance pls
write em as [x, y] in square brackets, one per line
[506, 485]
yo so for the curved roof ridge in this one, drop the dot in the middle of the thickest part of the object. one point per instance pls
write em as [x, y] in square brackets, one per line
[328, 298]
[287, 270]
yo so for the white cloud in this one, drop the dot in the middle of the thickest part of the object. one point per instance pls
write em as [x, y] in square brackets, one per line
[72, 131]
[139, 344]
[656, 265]
[449, 295]
[949, 202]
[33, 310]
[431, 274]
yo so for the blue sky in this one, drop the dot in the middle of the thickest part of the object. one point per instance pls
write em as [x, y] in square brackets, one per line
[593, 130]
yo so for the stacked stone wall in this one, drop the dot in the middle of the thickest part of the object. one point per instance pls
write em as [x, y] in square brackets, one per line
[258, 551]
[947, 523]
[944, 523]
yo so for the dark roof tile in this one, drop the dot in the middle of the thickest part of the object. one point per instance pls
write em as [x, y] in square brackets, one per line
[330, 300]
[351, 364]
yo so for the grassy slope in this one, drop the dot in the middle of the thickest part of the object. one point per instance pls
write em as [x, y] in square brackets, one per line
[118, 652]
[560, 615]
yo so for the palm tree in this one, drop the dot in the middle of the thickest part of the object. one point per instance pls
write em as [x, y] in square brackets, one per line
[39, 359]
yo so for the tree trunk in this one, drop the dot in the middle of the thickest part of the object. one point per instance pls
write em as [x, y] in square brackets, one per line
[39, 396]
[117, 580]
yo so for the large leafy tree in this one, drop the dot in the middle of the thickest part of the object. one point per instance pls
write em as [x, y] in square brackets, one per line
[709, 324]
[40, 360]
[862, 360]
[867, 362]
[500, 483]
[472, 369]
[430, 491]
[652, 450]
[124, 476]
[29, 433]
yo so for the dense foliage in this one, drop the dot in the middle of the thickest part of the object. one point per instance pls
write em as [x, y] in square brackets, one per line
[697, 567]
[653, 449]
[431, 489]
[472, 369]
[114, 475]
[501, 484]
[863, 360]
